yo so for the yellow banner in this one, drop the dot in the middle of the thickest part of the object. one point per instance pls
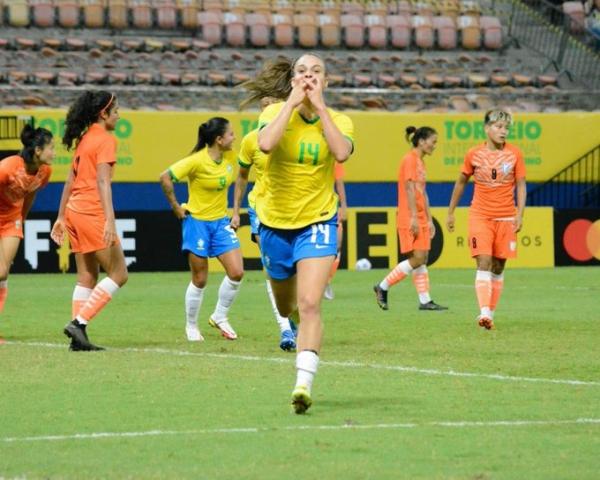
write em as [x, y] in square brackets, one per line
[150, 141]
[371, 233]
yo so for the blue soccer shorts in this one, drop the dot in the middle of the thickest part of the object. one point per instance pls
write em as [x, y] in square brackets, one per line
[208, 238]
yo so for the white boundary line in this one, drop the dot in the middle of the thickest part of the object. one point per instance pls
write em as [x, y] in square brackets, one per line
[332, 363]
[377, 426]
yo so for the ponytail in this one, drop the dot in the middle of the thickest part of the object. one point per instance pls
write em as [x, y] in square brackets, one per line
[33, 138]
[274, 80]
[209, 131]
[413, 134]
[85, 111]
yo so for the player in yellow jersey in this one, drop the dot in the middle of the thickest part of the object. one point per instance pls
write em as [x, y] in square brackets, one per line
[206, 229]
[250, 155]
[298, 206]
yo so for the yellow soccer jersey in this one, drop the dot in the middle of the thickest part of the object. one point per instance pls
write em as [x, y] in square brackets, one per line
[207, 183]
[298, 181]
[250, 155]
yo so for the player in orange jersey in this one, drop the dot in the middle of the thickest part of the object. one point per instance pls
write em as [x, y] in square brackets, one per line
[86, 212]
[21, 176]
[414, 221]
[497, 167]
[340, 188]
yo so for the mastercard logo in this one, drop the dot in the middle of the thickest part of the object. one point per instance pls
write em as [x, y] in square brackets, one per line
[581, 239]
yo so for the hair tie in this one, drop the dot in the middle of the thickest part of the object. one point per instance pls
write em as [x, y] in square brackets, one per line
[112, 97]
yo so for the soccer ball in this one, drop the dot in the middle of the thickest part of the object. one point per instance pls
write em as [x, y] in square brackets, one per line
[363, 264]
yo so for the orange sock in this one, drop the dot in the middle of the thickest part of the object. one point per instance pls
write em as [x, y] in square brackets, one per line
[497, 286]
[3, 293]
[399, 273]
[420, 278]
[101, 295]
[334, 266]
[483, 288]
[80, 296]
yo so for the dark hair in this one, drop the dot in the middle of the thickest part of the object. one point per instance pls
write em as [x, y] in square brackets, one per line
[85, 111]
[413, 134]
[209, 131]
[274, 79]
[33, 138]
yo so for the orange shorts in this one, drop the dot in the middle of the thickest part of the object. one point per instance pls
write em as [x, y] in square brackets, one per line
[492, 237]
[11, 228]
[86, 231]
[408, 242]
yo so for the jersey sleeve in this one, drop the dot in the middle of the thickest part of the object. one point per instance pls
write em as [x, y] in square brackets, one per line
[4, 172]
[269, 114]
[467, 166]
[345, 126]
[409, 169]
[107, 150]
[183, 168]
[247, 149]
[46, 176]
[520, 171]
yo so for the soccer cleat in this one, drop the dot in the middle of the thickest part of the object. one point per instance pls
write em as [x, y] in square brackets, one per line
[328, 293]
[485, 322]
[301, 400]
[226, 330]
[288, 341]
[293, 327]
[381, 297]
[431, 306]
[79, 339]
[193, 333]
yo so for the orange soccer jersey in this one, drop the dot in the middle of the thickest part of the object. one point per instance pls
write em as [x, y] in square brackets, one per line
[495, 173]
[412, 169]
[96, 146]
[15, 185]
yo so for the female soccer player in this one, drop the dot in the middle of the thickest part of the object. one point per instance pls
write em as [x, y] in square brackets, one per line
[21, 176]
[86, 211]
[497, 168]
[251, 155]
[414, 221]
[206, 229]
[298, 208]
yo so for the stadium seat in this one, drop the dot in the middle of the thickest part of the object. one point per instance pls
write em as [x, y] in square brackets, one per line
[449, 8]
[306, 26]
[307, 7]
[470, 32]
[492, 32]
[404, 8]
[188, 11]
[330, 30]
[377, 7]
[423, 28]
[93, 13]
[68, 13]
[283, 30]
[216, 6]
[399, 27]
[470, 7]
[18, 13]
[259, 29]
[141, 14]
[211, 27]
[446, 32]
[377, 31]
[575, 15]
[166, 14]
[423, 9]
[42, 13]
[460, 104]
[283, 7]
[331, 8]
[235, 29]
[354, 31]
[118, 14]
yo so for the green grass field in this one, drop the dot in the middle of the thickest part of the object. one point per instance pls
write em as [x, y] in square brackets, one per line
[399, 394]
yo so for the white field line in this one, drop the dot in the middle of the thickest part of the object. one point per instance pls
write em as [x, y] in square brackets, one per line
[518, 287]
[245, 430]
[332, 363]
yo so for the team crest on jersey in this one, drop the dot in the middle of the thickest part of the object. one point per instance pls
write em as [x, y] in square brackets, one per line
[200, 244]
[229, 168]
[506, 168]
[18, 224]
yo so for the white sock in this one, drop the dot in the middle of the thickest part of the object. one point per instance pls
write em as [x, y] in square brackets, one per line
[307, 363]
[227, 293]
[283, 322]
[4, 283]
[423, 297]
[404, 267]
[79, 292]
[193, 302]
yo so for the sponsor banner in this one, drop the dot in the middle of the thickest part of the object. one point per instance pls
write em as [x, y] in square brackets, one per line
[150, 141]
[151, 241]
[577, 237]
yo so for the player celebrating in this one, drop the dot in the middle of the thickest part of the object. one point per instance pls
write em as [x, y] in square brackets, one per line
[497, 167]
[86, 211]
[298, 208]
[414, 221]
[250, 155]
[206, 229]
[21, 176]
